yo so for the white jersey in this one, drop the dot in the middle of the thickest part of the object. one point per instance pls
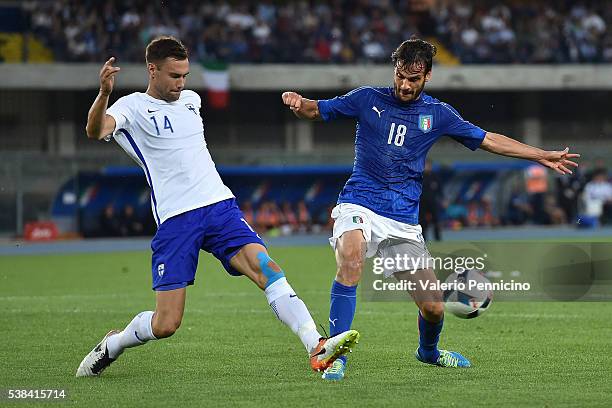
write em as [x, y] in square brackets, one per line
[167, 140]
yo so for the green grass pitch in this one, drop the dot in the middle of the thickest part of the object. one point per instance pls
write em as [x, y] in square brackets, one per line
[232, 351]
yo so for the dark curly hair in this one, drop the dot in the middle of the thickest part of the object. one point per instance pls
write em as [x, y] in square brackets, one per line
[165, 47]
[414, 53]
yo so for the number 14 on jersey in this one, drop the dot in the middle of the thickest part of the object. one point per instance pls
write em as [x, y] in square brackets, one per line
[167, 124]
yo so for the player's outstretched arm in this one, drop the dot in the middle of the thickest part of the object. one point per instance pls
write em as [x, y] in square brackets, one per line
[99, 124]
[559, 161]
[302, 108]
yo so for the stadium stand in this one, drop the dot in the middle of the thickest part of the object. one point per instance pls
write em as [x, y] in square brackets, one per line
[285, 200]
[323, 32]
[44, 106]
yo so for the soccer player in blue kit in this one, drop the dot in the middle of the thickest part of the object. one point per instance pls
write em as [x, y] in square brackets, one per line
[377, 210]
[162, 131]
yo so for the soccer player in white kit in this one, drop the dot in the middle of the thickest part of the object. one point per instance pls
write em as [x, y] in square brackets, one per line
[162, 131]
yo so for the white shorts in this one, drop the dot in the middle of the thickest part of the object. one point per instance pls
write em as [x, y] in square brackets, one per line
[384, 237]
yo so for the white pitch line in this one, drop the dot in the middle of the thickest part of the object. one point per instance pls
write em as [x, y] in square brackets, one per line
[253, 293]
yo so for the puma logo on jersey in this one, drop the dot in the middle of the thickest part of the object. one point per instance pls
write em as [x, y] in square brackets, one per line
[375, 109]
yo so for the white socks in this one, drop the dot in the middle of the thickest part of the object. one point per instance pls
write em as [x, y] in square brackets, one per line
[288, 308]
[293, 312]
[136, 333]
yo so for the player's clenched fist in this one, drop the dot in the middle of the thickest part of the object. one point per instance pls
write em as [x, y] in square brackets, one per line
[292, 100]
[107, 76]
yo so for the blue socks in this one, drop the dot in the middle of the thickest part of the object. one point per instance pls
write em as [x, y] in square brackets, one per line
[429, 334]
[342, 309]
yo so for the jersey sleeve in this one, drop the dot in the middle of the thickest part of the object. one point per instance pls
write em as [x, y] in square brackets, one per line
[466, 133]
[123, 113]
[345, 106]
[198, 100]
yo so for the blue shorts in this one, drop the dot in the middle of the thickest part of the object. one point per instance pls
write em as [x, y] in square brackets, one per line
[219, 229]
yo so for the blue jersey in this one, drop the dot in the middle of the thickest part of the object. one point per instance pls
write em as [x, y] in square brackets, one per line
[391, 142]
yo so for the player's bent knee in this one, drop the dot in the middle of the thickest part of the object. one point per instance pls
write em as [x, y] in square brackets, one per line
[351, 262]
[433, 311]
[349, 271]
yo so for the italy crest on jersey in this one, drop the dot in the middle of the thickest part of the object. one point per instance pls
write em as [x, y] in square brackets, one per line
[425, 122]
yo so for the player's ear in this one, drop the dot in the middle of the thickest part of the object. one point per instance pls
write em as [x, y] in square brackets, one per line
[428, 76]
[151, 68]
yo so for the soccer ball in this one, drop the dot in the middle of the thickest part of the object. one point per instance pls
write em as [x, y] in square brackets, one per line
[467, 295]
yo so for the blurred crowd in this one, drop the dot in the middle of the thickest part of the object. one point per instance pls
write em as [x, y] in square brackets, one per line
[124, 223]
[527, 32]
[583, 199]
[337, 31]
[268, 218]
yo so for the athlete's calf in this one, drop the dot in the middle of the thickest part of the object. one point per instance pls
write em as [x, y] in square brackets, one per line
[350, 256]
